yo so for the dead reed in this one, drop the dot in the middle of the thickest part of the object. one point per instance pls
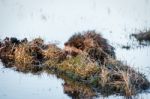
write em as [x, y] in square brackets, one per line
[92, 66]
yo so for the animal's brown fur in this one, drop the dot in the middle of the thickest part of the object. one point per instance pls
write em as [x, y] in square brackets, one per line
[92, 43]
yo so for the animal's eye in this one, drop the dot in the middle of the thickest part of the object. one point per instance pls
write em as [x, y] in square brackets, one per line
[66, 44]
[78, 46]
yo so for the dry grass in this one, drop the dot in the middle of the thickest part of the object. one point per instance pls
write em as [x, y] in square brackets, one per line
[53, 55]
[23, 55]
[125, 78]
[104, 76]
[142, 36]
[52, 51]
[27, 56]
[80, 65]
[112, 75]
[128, 86]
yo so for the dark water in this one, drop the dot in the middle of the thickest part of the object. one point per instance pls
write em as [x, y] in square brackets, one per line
[56, 21]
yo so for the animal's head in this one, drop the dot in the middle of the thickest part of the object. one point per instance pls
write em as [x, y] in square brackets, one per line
[75, 44]
[82, 41]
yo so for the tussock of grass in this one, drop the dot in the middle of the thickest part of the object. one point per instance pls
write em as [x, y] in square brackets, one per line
[80, 65]
[113, 74]
[28, 58]
[103, 73]
[23, 56]
[142, 36]
[53, 55]
[52, 51]
[124, 79]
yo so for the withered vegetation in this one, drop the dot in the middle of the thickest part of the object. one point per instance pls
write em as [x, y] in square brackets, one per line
[87, 58]
[142, 36]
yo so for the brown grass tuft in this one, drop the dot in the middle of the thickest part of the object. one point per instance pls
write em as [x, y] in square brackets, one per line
[93, 65]
[80, 65]
[23, 58]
